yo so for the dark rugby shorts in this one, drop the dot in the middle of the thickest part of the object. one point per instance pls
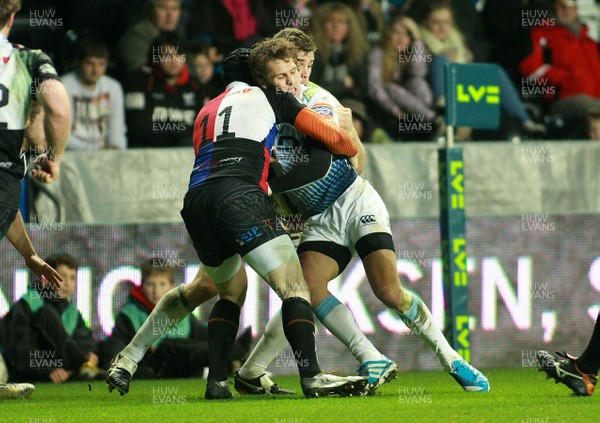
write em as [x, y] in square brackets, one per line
[228, 217]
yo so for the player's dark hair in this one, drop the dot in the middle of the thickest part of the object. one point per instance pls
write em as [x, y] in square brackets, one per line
[236, 67]
[268, 50]
[302, 40]
[91, 47]
[7, 8]
[153, 266]
[62, 258]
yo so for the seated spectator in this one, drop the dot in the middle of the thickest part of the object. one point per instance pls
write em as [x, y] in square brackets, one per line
[341, 49]
[203, 69]
[134, 45]
[45, 337]
[508, 25]
[229, 24]
[468, 21]
[397, 77]
[367, 131]
[163, 98]
[566, 56]
[98, 113]
[183, 350]
[447, 44]
[594, 124]
[370, 17]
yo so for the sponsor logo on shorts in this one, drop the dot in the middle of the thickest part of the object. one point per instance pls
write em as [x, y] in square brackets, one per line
[368, 219]
[249, 236]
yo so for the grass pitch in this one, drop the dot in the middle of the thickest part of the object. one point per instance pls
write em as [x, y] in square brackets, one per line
[517, 395]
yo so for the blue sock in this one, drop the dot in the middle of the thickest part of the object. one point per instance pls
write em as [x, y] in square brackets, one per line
[326, 306]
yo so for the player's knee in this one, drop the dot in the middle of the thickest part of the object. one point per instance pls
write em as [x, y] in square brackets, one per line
[294, 289]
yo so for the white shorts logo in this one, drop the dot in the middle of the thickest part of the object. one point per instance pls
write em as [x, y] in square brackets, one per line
[368, 219]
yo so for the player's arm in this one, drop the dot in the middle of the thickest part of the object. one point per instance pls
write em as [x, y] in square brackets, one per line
[289, 110]
[54, 101]
[309, 169]
[336, 140]
[17, 235]
[345, 118]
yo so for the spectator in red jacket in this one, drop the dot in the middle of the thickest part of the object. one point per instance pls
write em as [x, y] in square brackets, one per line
[565, 57]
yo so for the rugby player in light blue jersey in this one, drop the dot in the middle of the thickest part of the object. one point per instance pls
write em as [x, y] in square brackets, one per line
[344, 214]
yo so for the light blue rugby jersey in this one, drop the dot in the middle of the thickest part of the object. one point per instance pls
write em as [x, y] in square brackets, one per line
[314, 197]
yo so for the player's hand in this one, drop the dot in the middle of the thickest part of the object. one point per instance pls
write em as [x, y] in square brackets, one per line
[92, 358]
[345, 118]
[59, 375]
[43, 271]
[47, 171]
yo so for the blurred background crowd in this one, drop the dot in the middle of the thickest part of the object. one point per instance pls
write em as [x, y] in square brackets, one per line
[138, 71]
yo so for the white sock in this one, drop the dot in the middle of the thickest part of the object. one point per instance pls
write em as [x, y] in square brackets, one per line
[270, 344]
[419, 319]
[169, 311]
[337, 318]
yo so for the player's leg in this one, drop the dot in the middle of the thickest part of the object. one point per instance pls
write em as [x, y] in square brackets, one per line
[578, 373]
[370, 234]
[589, 361]
[380, 267]
[321, 267]
[223, 323]
[277, 263]
[252, 377]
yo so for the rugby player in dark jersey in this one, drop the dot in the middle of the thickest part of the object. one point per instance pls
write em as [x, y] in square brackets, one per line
[229, 217]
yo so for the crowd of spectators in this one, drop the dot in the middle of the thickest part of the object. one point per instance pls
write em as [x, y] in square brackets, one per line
[138, 71]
